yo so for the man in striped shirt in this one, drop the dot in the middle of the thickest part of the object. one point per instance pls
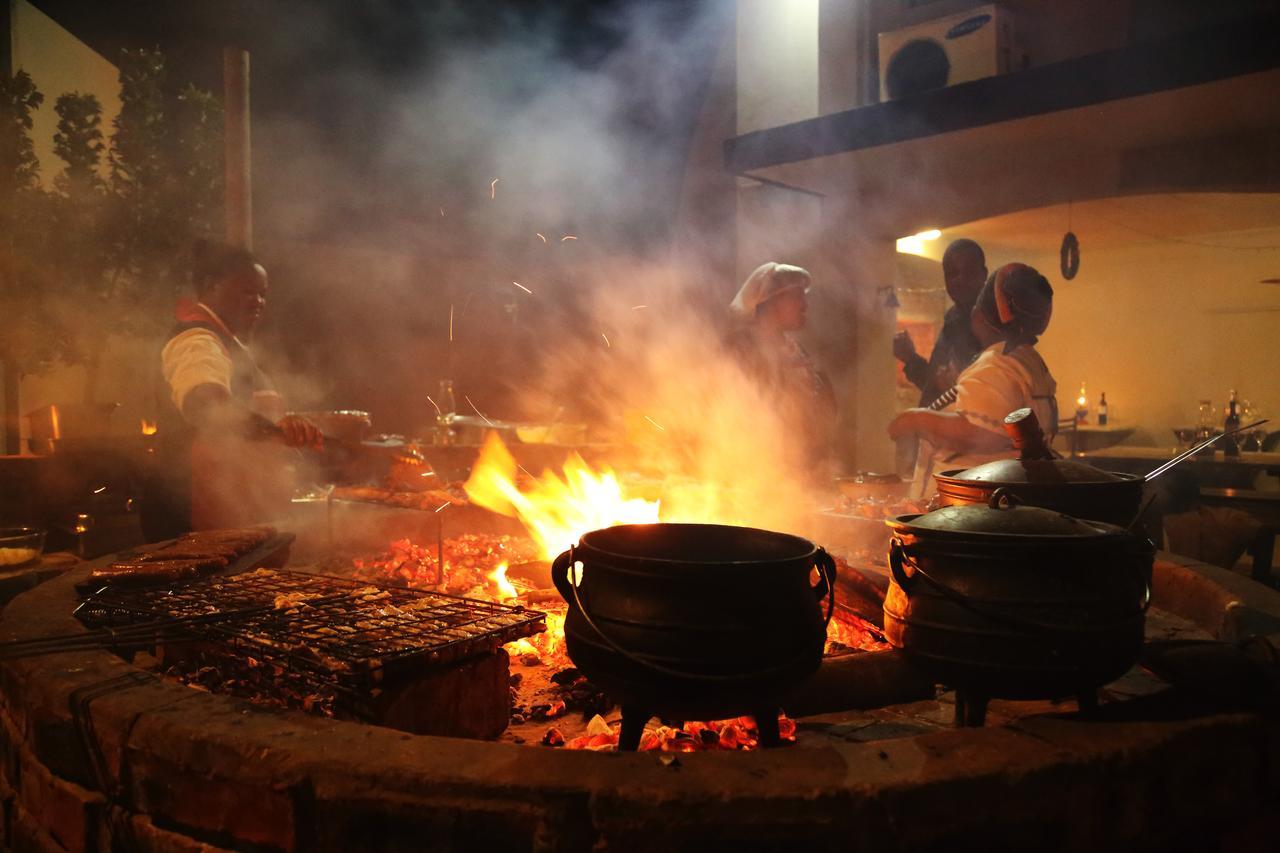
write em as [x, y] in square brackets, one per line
[222, 433]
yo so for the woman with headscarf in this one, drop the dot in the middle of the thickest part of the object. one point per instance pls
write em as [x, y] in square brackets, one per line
[769, 307]
[965, 427]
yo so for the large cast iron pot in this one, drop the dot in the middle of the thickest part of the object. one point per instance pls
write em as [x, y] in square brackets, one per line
[695, 621]
[1038, 478]
[1016, 602]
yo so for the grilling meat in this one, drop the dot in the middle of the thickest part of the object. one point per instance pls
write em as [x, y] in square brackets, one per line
[189, 552]
[240, 540]
[158, 571]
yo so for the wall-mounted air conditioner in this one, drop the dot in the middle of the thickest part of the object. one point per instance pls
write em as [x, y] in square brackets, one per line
[966, 46]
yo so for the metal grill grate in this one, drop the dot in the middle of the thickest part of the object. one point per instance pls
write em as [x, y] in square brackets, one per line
[356, 632]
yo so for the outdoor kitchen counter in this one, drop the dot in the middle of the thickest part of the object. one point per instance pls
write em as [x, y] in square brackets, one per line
[181, 764]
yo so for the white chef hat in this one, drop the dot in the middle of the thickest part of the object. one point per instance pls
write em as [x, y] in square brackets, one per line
[768, 280]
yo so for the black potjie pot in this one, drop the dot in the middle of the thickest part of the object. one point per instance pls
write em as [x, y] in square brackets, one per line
[1012, 602]
[695, 621]
[1039, 477]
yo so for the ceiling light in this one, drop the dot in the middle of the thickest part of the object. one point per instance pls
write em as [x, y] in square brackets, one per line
[914, 245]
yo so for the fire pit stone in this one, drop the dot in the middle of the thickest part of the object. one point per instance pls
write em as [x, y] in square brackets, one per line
[212, 770]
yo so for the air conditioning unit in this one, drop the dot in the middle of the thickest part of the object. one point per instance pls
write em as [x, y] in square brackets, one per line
[966, 46]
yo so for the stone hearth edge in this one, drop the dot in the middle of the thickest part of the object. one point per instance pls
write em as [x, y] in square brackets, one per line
[94, 751]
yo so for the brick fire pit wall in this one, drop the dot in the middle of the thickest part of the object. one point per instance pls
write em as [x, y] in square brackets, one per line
[96, 754]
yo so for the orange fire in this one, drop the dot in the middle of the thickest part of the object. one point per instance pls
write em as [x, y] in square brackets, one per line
[556, 510]
[149, 427]
[506, 589]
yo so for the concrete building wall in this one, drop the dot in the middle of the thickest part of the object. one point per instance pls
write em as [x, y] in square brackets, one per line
[59, 63]
[777, 62]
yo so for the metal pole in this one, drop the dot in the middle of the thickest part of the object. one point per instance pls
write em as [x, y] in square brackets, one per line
[238, 184]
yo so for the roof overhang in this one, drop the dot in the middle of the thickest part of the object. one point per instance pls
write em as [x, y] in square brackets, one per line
[1042, 136]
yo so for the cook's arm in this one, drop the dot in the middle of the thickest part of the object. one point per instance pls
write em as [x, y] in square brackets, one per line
[947, 429]
[209, 406]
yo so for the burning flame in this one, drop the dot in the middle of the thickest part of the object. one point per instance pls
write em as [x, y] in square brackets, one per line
[149, 427]
[556, 510]
[506, 589]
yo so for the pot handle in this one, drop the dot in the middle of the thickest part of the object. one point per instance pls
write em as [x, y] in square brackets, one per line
[569, 589]
[826, 586]
[560, 575]
[898, 558]
[1003, 498]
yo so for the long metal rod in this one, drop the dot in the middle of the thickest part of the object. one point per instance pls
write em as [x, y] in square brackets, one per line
[1201, 446]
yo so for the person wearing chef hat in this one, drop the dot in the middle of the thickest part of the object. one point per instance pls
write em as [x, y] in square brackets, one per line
[770, 307]
[222, 433]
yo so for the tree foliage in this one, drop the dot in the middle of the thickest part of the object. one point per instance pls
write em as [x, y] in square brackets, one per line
[106, 250]
[78, 142]
[30, 338]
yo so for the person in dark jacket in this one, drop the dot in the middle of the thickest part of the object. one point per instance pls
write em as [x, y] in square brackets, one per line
[964, 270]
[221, 426]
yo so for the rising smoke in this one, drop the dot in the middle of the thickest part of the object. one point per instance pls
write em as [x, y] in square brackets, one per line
[537, 274]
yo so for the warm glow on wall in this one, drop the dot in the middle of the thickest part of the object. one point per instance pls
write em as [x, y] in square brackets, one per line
[914, 245]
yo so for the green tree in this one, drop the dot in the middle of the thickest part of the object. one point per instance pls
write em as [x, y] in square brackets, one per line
[100, 257]
[164, 191]
[198, 152]
[29, 339]
[79, 258]
[79, 143]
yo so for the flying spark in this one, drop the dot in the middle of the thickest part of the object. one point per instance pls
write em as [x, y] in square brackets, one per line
[99, 490]
[522, 287]
[493, 189]
[540, 236]
[638, 307]
[450, 324]
[442, 212]
[433, 402]
[476, 410]
[568, 237]
[606, 340]
[655, 423]
[442, 506]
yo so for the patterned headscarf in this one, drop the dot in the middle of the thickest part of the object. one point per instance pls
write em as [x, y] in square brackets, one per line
[1017, 301]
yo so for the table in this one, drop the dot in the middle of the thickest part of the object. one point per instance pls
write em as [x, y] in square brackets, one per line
[1248, 482]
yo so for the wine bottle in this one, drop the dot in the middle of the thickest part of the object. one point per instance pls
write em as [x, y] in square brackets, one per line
[1231, 447]
[1102, 409]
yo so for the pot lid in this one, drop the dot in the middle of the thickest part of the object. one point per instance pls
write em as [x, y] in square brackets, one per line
[1002, 516]
[1039, 471]
[1037, 463]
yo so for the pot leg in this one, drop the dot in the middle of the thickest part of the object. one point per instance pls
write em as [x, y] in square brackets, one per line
[971, 710]
[767, 728]
[633, 720]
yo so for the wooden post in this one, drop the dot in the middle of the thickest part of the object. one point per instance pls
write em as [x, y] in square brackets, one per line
[238, 184]
[12, 379]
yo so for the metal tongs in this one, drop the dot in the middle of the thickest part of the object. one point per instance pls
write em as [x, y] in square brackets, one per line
[1201, 446]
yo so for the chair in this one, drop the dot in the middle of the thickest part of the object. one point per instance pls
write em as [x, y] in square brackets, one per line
[1068, 426]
